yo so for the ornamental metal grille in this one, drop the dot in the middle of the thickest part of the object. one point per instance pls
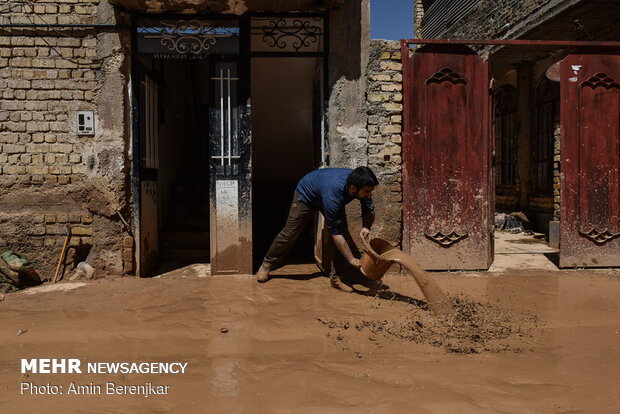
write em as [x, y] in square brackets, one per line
[287, 34]
[183, 38]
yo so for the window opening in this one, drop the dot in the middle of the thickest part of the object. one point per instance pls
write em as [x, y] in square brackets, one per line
[505, 136]
[547, 112]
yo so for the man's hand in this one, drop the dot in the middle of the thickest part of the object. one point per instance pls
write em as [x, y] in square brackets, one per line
[365, 233]
[343, 248]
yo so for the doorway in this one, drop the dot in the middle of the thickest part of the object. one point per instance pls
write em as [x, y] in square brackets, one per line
[174, 127]
[286, 132]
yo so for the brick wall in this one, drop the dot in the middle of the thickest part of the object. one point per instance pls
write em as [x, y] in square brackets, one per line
[384, 108]
[50, 177]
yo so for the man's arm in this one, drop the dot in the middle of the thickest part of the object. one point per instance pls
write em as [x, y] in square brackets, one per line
[367, 219]
[343, 248]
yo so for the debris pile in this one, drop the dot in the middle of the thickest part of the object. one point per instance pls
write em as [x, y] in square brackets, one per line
[515, 222]
[16, 272]
[473, 327]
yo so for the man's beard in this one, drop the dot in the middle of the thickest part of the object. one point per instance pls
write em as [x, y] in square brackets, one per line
[356, 194]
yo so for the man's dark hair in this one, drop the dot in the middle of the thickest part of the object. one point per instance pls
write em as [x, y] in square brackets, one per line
[362, 177]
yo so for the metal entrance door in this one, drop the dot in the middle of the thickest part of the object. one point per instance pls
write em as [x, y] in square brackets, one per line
[229, 143]
[446, 189]
[590, 163]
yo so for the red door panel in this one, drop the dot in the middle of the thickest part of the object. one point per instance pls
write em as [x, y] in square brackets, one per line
[446, 205]
[590, 185]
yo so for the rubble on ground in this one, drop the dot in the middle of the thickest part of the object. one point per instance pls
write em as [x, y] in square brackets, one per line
[16, 272]
[515, 222]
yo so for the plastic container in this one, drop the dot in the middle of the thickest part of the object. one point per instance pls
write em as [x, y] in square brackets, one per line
[373, 267]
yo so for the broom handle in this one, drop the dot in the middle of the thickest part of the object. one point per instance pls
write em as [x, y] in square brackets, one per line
[62, 253]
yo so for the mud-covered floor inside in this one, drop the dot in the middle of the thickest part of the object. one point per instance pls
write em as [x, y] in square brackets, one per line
[548, 342]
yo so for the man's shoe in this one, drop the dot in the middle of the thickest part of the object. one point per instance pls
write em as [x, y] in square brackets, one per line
[263, 273]
[338, 284]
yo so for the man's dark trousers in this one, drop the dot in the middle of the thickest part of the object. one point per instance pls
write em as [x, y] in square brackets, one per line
[298, 217]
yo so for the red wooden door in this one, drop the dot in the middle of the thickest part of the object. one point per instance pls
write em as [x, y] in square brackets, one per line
[446, 193]
[590, 161]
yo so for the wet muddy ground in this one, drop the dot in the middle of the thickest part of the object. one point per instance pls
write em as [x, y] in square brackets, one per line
[520, 342]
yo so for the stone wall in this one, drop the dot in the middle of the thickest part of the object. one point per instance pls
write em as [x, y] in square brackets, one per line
[418, 15]
[52, 178]
[385, 108]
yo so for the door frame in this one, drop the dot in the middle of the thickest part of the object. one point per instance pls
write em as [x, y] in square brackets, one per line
[136, 175]
[244, 56]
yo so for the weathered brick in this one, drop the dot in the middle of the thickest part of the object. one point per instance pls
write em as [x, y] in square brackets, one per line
[65, 64]
[82, 231]
[38, 126]
[14, 169]
[378, 97]
[19, 84]
[56, 229]
[393, 107]
[391, 87]
[380, 77]
[42, 63]
[22, 41]
[74, 218]
[63, 148]
[377, 139]
[59, 169]
[69, 42]
[128, 260]
[13, 148]
[391, 65]
[37, 230]
[37, 169]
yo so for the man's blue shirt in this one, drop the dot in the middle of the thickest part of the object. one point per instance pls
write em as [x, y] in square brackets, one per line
[326, 190]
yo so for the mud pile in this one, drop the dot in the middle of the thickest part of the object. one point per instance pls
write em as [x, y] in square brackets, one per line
[473, 327]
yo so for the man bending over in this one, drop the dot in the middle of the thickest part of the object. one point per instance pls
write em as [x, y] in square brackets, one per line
[328, 190]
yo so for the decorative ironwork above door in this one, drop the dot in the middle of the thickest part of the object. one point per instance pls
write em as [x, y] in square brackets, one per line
[288, 34]
[187, 38]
